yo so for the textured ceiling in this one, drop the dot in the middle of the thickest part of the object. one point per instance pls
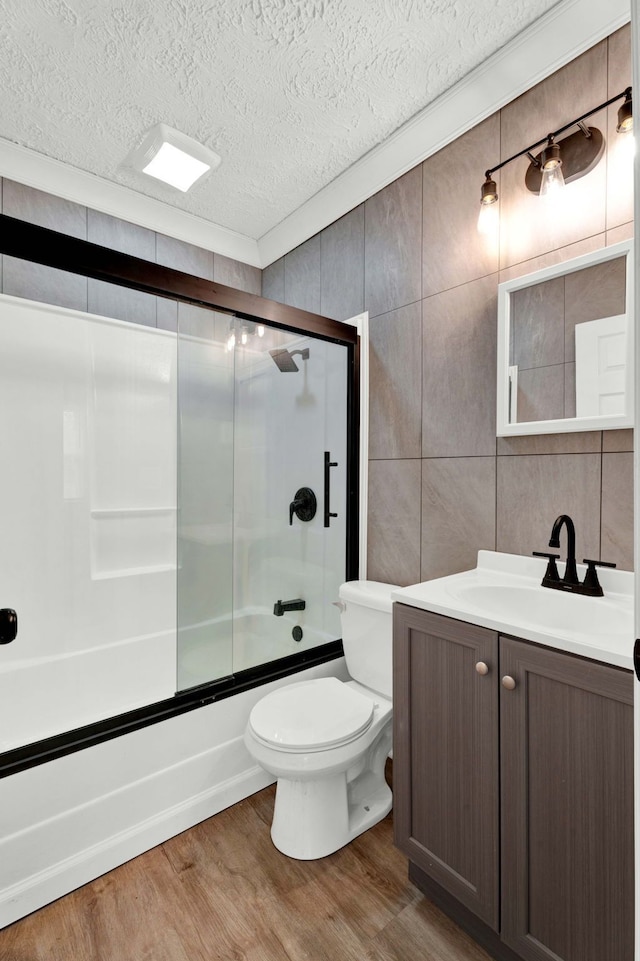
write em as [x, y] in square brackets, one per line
[289, 92]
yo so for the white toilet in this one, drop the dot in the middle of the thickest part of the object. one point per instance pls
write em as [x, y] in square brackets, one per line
[327, 740]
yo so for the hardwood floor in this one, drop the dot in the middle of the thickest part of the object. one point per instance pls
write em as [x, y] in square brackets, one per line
[222, 892]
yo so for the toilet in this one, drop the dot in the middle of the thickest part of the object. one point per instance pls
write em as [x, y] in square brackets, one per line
[326, 741]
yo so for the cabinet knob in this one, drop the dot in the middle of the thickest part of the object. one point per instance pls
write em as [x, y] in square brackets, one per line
[508, 682]
[482, 668]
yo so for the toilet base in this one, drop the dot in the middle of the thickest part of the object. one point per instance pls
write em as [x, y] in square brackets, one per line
[314, 818]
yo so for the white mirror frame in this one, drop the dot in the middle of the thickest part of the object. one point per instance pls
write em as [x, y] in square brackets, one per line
[597, 422]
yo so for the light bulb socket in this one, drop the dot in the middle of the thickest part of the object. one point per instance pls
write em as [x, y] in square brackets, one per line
[625, 115]
[488, 192]
[550, 156]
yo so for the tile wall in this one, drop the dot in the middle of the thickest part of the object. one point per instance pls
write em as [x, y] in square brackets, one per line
[441, 485]
[23, 279]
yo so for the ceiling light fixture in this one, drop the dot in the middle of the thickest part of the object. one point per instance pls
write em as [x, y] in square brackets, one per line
[172, 157]
[560, 162]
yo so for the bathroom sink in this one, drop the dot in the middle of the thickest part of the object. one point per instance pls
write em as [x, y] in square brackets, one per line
[550, 610]
[504, 593]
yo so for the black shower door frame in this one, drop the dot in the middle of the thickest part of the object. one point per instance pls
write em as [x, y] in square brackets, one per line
[41, 245]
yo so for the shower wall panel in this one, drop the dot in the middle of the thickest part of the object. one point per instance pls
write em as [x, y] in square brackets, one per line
[88, 494]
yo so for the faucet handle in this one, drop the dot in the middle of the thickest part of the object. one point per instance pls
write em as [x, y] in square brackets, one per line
[591, 585]
[551, 575]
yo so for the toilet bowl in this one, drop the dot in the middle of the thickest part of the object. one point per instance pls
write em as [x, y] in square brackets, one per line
[326, 741]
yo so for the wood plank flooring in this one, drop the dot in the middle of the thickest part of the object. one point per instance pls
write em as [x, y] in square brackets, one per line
[222, 892]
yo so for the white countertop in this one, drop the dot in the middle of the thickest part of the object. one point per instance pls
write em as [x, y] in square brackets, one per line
[504, 593]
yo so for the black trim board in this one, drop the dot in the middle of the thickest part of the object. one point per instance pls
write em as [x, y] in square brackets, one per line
[51, 748]
[44, 246]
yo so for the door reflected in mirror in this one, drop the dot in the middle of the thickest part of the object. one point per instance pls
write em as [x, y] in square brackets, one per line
[565, 346]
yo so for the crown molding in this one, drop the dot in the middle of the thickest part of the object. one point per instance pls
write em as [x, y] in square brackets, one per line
[58, 178]
[555, 39]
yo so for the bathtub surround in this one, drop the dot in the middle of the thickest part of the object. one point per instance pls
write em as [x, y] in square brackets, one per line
[71, 819]
[441, 485]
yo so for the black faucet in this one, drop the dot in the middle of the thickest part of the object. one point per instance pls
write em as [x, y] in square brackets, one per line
[570, 572]
[280, 607]
[570, 582]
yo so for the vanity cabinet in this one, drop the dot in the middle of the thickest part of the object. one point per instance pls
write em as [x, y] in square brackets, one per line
[513, 788]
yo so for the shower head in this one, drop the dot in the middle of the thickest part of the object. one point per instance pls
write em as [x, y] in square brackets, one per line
[284, 359]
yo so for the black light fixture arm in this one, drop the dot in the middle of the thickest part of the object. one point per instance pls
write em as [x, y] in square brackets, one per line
[556, 133]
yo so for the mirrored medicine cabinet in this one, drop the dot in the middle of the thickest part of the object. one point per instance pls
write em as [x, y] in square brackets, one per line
[565, 346]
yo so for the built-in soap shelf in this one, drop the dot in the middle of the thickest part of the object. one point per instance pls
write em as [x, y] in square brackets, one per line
[130, 541]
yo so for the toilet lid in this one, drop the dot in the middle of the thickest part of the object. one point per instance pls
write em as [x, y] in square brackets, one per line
[311, 715]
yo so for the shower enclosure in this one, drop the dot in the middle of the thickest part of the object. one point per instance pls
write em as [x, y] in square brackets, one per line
[178, 506]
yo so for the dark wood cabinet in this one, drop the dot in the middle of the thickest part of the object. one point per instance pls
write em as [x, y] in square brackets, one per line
[516, 800]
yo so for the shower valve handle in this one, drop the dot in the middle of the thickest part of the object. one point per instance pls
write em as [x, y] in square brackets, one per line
[303, 505]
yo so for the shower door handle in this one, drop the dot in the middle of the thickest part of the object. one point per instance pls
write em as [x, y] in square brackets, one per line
[328, 464]
[8, 625]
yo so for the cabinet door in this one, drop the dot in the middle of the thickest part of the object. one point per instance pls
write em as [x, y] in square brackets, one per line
[567, 806]
[445, 768]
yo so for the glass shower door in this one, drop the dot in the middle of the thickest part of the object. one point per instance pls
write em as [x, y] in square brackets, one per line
[289, 495]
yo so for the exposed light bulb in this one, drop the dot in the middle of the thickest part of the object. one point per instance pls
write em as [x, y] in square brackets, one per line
[244, 336]
[260, 330]
[488, 219]
[231, 340]
[552, 180]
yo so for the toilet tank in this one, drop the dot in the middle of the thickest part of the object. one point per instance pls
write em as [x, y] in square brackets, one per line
[367, 633]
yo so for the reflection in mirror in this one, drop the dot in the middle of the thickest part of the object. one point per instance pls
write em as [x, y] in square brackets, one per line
[565, 346]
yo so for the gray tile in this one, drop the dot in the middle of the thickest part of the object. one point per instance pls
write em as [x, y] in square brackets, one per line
[541, 393]
[616, 234]
[302, 276]
[592, 293]
[453, 250]
[458, 513]
[529, 226]
[574, 442]
[459, 371]
[394, 522]
[180, 255]
[233, 273]
[537, 324]
[342, 273]
[43, 209]
[120, 235]
[617, 440]
[122, 303]
[552, 257]
[167, 314]
[617, 510]
[393, 240]
[20, 278]
[533, 491]
[395, 377]
[273, 281]
[619, 146]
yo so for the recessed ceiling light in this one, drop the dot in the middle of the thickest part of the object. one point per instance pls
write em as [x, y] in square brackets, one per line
[172, 157]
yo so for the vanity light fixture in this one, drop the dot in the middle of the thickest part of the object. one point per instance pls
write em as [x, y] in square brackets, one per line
[173, 157]
[560, 162]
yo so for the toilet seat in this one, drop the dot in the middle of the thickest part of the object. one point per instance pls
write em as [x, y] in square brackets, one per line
[313, 715]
